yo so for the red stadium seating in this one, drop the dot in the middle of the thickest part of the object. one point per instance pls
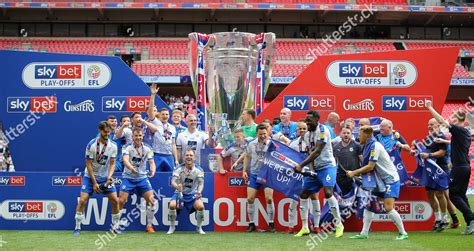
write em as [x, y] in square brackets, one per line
[426, 45]
[295, 54]
[379, 2]
[460, 72]
[383, 2]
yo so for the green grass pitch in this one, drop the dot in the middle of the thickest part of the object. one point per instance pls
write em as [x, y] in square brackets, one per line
[450, 239]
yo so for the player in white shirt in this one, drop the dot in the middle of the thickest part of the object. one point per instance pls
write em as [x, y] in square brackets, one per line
[125, 129]
[135, 178]
[188, 180]
[299, 145]
[256, 150]
[235, 150]
[100, 154]
[164, 141]
[318, 142]
[376, 158]
[193, 139]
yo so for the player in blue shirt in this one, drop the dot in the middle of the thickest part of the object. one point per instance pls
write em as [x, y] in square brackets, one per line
[135, 178]
[101, 153]
[376, 158]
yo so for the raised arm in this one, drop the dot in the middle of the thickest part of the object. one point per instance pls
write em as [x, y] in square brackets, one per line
[436, 115]
[154, 90]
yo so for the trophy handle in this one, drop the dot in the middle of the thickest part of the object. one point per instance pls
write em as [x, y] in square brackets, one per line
[268, 59]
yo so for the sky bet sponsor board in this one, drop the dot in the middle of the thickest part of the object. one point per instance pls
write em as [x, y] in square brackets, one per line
[40, 201]
[31, 104]
[66, 75]
[409, 103]
[371, 73]
[45, 97]
[310, 102]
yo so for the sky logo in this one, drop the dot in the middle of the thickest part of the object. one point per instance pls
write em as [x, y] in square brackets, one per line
[312, 102]
[125, 104]
[31, 104]
[405, 103]
[236, 182]
[363, 70]
[58, 71]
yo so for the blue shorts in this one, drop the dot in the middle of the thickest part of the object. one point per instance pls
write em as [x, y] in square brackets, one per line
[164, 162]
[253, 182]
[325, 178]
[140, 186]
[188, 201]
[88, 188]
[391, 191]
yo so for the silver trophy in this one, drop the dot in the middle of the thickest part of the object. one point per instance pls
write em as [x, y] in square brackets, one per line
[231, 60]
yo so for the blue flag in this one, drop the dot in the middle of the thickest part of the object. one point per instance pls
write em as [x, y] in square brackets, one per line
[374, 123]
[402, 171]
[428, 172]
[366, 200]
[276, 170]
[347, 205]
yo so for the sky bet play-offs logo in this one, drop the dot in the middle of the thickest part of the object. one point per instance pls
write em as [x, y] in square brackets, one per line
[371, 73]
[66, 75]
[32, 209]
[409, 103]
[31, 104]
[310, 102]
[125, 104]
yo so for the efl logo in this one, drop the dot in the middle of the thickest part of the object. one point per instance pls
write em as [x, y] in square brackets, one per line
[25, 207]
[31, 104]
[405, 103]
[67, 180]
[58, 71]
[366, 70]
[12, 180]
[313, 102]
[236, 182]
[125, 104]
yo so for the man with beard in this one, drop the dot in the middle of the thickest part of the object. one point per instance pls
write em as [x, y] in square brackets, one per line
[256, 150]
[188, 181]
[348, 154]
[318, 142]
